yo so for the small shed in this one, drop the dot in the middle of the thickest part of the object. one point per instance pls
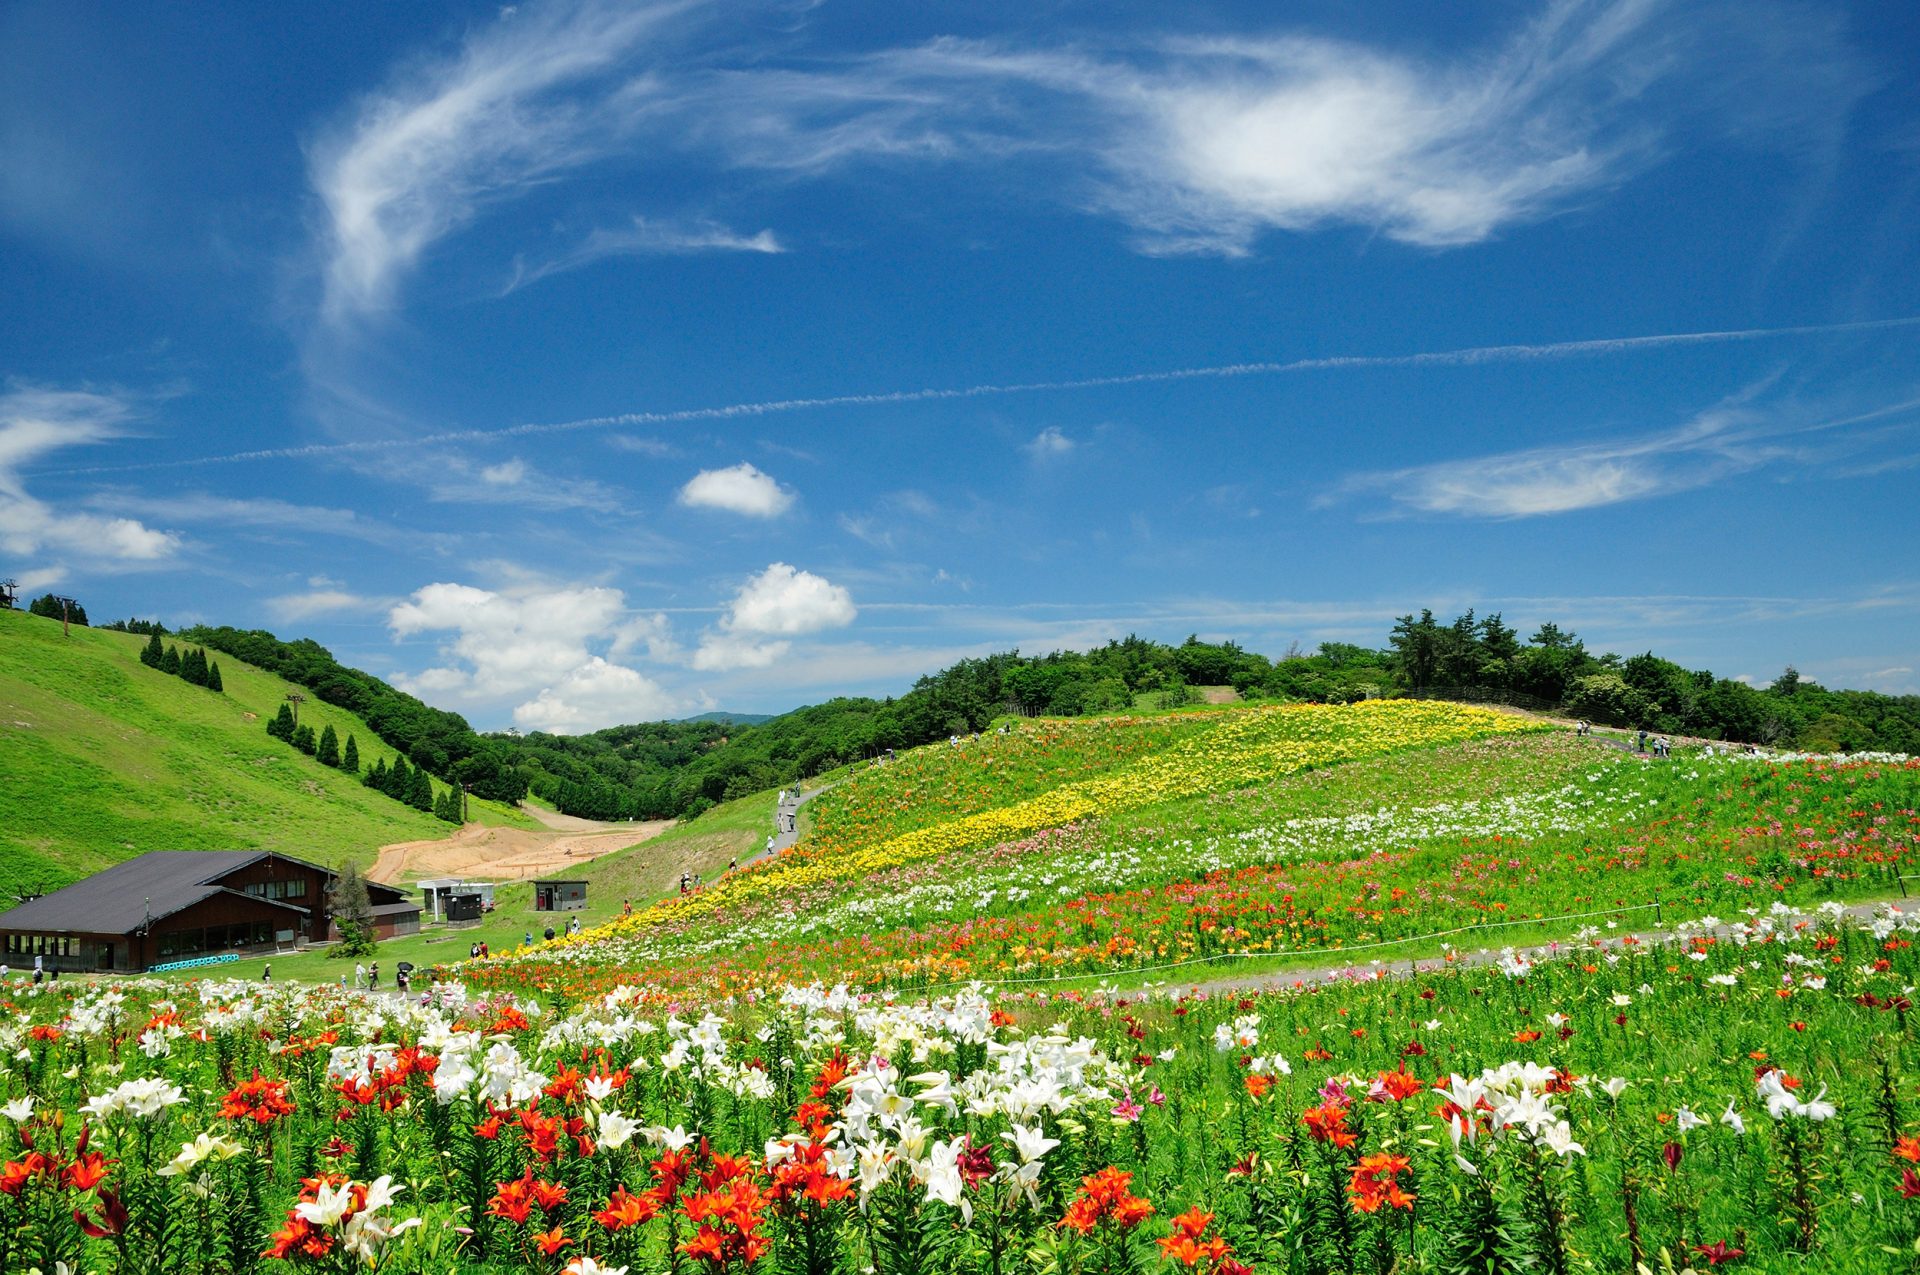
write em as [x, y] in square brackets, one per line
[462, 905]
[439, 891]
[559, 896]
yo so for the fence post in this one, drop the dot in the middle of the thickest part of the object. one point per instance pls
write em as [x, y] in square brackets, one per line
[1902, 879]
[1659, 917]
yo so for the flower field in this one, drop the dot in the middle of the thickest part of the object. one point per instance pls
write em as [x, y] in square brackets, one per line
[910, 1045]
[1748, 1098]
[1301, 862]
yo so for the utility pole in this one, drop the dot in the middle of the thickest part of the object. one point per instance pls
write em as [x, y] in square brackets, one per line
[465, 791]
[296, 699]
[66, 611]
[9, 591]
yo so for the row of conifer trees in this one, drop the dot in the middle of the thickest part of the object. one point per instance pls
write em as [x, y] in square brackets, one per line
[399, 781]
[194, 667]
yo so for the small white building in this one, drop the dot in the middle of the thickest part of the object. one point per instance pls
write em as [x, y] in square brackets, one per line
[435, 893]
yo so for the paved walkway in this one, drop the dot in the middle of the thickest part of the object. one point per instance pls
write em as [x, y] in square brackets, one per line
[791, 806]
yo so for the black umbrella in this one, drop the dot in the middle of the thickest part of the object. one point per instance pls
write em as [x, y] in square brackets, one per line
[405, 967]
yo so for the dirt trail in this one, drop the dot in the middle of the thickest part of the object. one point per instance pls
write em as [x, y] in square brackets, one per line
[511, 854]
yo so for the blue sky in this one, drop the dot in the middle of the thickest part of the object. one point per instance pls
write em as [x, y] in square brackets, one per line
[573, 363]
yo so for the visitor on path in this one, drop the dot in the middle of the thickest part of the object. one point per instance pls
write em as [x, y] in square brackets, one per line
[626, 907]
[549, 934]
[373, 978]
[1642, 745]
[473, 951]
[38, 972]
[359, 976]
[526, 939]
[266, 974]
[485, 951]
[684, 882]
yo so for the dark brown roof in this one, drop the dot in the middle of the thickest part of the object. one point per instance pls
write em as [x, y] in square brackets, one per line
[155, 885]
[559, 881]
[396, 909]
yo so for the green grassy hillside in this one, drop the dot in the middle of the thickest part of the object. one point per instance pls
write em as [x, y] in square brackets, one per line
[102, 758]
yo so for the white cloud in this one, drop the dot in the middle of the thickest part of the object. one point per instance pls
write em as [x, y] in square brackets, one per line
[534, 646]
[1049, 444]
[740, 489]
[1728, 439]
[1204, 143]
[646, 237]
[594, 695]
[778, 604]
[34, 421]
[508, 473]
[421, 156]
[295, 607]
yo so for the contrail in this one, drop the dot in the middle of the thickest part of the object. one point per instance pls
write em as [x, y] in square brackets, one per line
[1440, 358]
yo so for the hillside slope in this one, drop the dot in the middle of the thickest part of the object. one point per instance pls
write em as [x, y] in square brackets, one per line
[102, 758]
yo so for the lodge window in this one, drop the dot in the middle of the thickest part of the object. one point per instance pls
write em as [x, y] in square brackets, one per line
[215, 938]
[294, 889]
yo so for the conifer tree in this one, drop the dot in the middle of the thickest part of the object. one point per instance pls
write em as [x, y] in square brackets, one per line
[420, 795]
[376, 776]
[193, 667]
[170, 662]
[446, 806]
[399, 780]
[153, 652]
[303, 739]
[328, 752]
[350, 759]
[352, 910]
[281, 727]
[213, 677]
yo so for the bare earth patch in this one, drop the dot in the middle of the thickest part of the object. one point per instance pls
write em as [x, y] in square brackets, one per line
[510, 854]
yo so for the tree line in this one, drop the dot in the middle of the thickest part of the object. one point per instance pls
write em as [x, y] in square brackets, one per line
[409, 784]
[432, 739]
[655, 770]
[193, 668]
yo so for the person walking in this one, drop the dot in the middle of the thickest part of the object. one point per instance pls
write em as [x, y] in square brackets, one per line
[359, 976]
[266, 975]
[373, 978]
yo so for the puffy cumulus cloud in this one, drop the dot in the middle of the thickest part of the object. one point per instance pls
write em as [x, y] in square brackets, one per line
[780, 603]
[36, 420]
[740, 489]
[594, 695]
[1049, 444]
[536, 646]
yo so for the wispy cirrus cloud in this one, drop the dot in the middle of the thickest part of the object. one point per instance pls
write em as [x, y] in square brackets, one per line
[644, 237]
[542, 91]
[1202, 144]
[36, 420]
[1731, 438]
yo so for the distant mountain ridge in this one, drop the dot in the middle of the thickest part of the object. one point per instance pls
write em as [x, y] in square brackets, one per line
[733, 719]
